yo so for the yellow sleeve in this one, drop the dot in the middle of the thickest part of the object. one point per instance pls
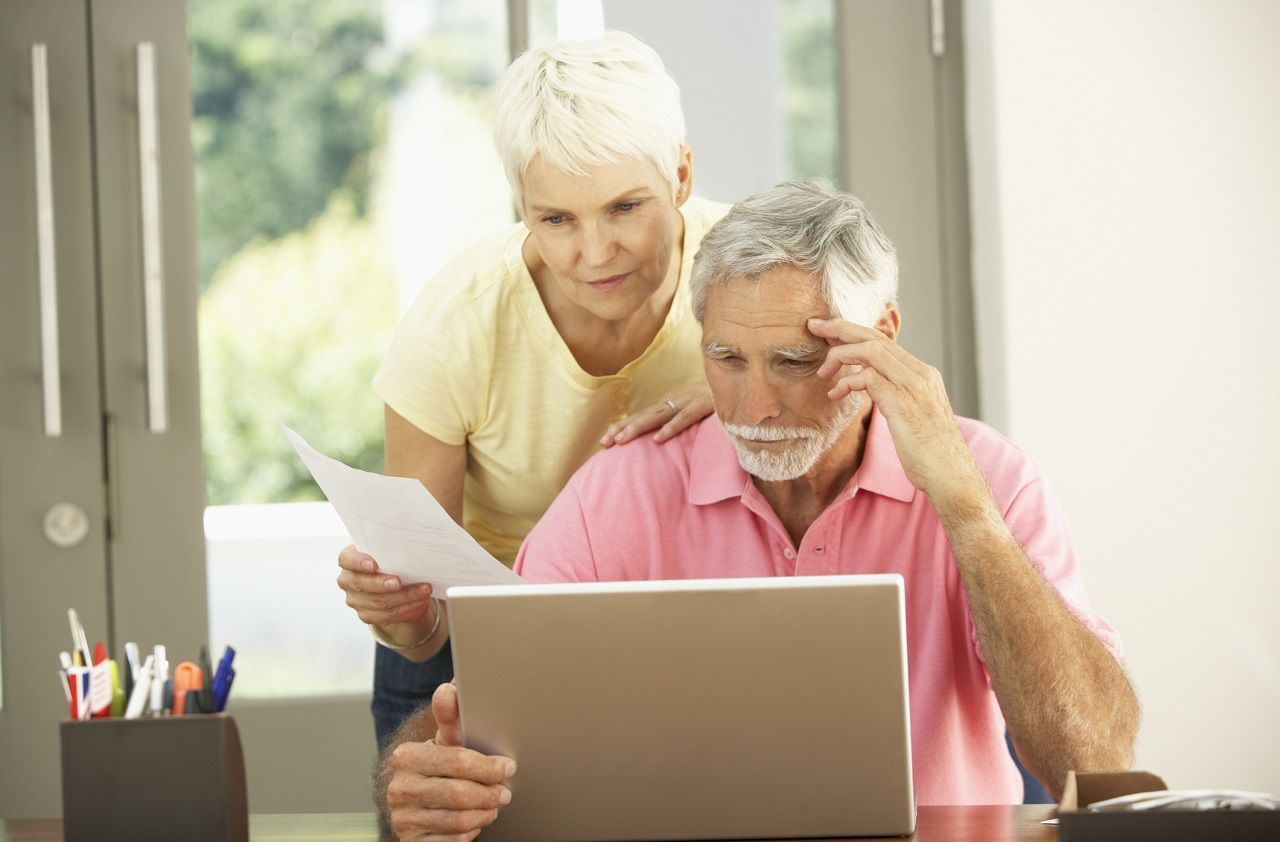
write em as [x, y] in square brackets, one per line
[436, 374]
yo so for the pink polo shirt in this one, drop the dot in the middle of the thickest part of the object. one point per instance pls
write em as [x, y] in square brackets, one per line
[686, 510]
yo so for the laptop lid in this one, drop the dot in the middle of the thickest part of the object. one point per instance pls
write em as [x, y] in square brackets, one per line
[697, 709]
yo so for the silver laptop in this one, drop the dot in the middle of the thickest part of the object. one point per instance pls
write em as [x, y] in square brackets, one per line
[700, 709]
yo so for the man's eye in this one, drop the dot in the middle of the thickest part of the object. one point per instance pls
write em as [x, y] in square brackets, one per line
[628, 206]
[554, 219]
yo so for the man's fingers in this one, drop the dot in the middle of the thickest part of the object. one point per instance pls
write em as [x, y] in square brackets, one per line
[431, 760]
[868, 355]
[422, 824]
[444, 708]
[445, 793]
[839, 331]
[867, 380]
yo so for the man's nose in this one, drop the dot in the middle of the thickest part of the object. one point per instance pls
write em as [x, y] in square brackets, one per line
[760, 400]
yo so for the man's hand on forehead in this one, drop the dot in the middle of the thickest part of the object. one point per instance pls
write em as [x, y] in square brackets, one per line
[911, 396]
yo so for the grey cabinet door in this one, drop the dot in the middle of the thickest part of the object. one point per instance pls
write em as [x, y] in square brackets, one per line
[38, 579]
[151, 398]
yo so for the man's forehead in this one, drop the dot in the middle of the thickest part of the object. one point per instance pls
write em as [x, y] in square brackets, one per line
[780, 301]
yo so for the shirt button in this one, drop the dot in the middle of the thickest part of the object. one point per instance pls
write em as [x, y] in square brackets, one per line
[789, 553]
[818, 549]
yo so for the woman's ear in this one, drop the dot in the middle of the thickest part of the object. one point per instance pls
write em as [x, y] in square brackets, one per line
[890, 322]
[684, 175]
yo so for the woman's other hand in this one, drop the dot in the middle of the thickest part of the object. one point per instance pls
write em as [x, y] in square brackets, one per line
[679, 408]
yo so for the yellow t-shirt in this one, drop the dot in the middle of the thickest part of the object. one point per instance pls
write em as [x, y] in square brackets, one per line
[477, 361]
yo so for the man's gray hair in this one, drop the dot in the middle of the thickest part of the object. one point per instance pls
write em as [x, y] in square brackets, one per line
[809, 225]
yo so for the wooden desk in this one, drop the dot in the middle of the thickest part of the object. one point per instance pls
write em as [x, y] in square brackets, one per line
[1011, 823]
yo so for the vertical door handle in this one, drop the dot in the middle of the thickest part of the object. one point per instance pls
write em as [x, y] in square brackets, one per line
[46, 267]
[152, 257]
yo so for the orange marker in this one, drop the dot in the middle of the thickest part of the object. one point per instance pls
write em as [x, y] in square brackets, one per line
[187, 677]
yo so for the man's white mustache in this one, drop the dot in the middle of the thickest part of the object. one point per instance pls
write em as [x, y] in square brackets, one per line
[754, 433]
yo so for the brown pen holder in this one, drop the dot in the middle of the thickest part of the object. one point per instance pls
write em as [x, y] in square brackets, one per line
[161, 778]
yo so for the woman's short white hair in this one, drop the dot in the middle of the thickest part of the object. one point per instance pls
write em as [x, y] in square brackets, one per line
[581, 104]
[810, 225]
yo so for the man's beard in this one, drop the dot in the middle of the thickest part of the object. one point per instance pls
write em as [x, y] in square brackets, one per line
[797, 460]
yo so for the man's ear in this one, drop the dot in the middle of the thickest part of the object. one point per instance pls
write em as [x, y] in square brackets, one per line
[684, 175]
[890, 322]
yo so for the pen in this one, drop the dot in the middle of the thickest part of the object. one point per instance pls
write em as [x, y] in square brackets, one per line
[159, 676]
[130, 667]
[206, 688]
[65, 659]
[141, 690]
[222, 679]
[79, 643]
[187, 681]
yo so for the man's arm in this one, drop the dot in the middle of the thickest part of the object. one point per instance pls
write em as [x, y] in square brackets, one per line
[428, 786]
[1065, 698]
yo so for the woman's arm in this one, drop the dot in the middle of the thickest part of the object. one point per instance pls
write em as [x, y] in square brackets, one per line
[404, 615]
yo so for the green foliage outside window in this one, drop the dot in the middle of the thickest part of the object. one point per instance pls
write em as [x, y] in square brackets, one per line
[292, 333]
[297, 299]
[812, 108]
[287, 104]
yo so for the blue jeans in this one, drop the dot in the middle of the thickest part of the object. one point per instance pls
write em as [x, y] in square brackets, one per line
[400, 687]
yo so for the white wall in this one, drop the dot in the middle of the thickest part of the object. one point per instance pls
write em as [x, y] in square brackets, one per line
[1125, 178]
[726, 56]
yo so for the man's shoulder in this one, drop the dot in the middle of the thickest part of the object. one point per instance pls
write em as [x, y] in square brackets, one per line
[1001, 461]
[642, 466]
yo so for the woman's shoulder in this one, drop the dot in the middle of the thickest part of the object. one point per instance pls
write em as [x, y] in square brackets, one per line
[476, 279]
[483, 265]
[703, 213]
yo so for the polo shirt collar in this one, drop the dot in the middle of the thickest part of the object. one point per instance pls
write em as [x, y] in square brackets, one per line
[715, 474]
[881, 471]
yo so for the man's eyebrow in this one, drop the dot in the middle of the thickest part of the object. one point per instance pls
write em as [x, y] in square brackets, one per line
[796, 352]
[715, 349]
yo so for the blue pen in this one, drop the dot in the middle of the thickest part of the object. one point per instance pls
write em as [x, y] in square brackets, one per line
[222, 679]
[220, 701]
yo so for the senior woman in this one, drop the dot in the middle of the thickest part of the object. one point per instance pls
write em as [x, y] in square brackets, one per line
[566, 332]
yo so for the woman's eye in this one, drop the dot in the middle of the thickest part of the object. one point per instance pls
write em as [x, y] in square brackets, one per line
[554, 219]
[628, 206]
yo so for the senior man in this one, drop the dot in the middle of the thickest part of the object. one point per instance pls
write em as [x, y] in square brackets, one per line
[832, 450]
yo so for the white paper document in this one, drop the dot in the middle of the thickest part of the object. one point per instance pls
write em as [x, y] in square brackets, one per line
[399, 523]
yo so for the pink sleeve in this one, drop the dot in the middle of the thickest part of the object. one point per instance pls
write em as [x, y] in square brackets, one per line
[558, 549]
[1040, 527]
